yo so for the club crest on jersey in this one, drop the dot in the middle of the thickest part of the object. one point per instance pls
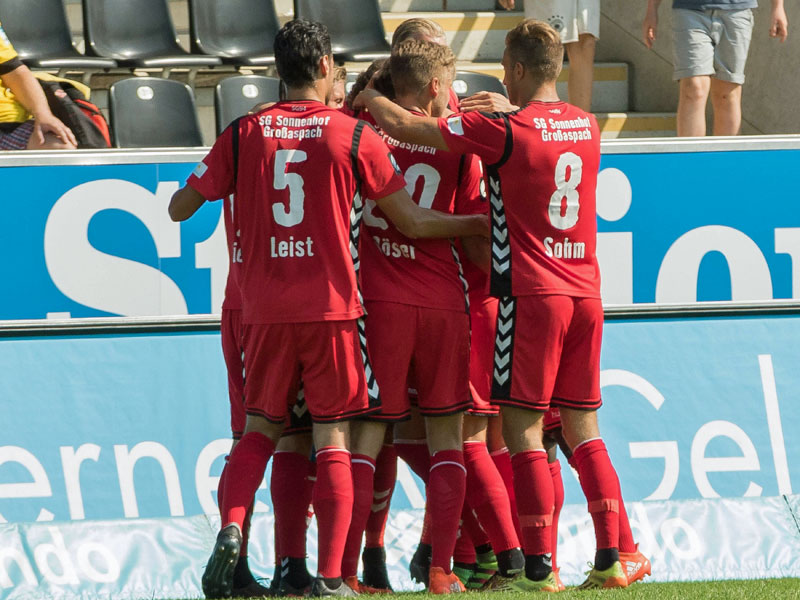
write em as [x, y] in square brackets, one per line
[200, 170]
[455, 125]
[395, 166]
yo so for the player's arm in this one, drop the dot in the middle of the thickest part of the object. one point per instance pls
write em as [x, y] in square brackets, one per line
[399, 123]
[184, 203]
[415, 222]
[478, 251]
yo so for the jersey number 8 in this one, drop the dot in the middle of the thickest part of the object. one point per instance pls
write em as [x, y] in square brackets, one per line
[566, 190]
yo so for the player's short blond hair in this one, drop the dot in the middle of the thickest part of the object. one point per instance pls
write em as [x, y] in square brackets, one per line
[414, 63]
[537, 46]
[417, 28]
[339, 74]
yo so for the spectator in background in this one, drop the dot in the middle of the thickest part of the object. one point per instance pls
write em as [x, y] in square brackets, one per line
[26, 121]
[711, 40]
[578, 24]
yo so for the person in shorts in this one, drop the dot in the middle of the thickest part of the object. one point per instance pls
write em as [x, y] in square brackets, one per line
[578, 24]
[711, 39]
[542, 163]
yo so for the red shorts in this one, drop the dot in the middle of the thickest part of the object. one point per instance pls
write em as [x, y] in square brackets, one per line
[434, 344]
[547, 349]
[231, 333]
[482, 317]
[331, 355]
[552, 419]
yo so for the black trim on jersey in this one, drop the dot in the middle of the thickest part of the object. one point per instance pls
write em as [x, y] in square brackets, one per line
[235, 147]
[10, 65]
[461, 164]
[500, 276]
[504, 348]
[357, 210]
[509, 145]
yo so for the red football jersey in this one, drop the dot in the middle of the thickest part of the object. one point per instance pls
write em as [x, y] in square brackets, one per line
[542, 163]
[421, 272]
[301, 171]
[233, 297]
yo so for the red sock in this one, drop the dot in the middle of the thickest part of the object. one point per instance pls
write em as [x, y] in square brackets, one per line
[221, 486]
[425, 537]
[363, 478]
[464, 551]
[502, 460]
[487, 496]
[626, 543]
[287, 486]
[311, 480]
[601, 487]
[220, 496]
[245, 470]
[382, 490]
[246, 532]
[333, 504]
[446, 483]
[558, 489]
[535, 499]
[473, 528]
[415, 454]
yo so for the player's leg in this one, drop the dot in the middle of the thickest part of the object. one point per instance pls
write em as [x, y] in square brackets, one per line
[558, 502]
[577, 394]
[269, 377]
[291, 496]
[244, 584]
[486, 495]
[374, 556]
[502, 461]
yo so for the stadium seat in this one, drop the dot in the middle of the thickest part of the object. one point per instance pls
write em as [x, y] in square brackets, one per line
[467, 83]
[240, 32]
[136, 33]
[235, 96]
[355, 26]
[151, 112]
[40, 33]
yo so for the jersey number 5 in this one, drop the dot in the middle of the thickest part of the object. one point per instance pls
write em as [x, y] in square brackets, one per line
[293, 215]
[566, 191]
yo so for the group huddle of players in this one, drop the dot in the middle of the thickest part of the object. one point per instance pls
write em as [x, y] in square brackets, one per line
[412, 281]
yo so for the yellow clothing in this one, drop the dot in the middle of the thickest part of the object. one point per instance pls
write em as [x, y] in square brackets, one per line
[11, 111]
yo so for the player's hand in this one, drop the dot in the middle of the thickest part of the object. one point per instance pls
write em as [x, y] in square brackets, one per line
[49, 123]
[365, 96]
[780, 25]
[487, 102]
[506, 4]
[649, 28]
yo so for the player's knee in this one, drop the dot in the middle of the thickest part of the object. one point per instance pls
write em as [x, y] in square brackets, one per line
[367, 437]
[299, 443]
[444, 433]
[257, 424]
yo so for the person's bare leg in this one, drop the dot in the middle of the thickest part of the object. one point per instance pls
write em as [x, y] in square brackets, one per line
[692, 107]
[726, 99]
[581, 71]
[51, 142]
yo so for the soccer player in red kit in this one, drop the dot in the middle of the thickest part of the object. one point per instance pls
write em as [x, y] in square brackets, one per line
[298, 170]
[414, 296]
[542, 162]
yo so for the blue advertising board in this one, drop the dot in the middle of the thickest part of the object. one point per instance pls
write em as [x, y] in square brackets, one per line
[113, 443]
[88, 235]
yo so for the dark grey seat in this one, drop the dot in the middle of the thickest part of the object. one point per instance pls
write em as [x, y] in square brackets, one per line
[467, 83]
[151, 112]
[136, 33]
[355, 26]
[239, 32]
[40, 33]
[236, 96]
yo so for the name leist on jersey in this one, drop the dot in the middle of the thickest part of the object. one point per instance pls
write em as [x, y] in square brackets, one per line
[292, 128]
[564, 130]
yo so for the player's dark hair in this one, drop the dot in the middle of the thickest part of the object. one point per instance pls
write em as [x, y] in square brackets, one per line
[537, 46]
[299, 46]
[382, 81]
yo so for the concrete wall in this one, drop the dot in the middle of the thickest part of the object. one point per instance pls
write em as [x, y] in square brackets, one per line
[772, 89]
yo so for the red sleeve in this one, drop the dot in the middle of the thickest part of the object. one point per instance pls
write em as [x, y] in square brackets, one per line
[453, 102]
[379, 172]
[475, 133]
[471, 192]
[213, 177]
